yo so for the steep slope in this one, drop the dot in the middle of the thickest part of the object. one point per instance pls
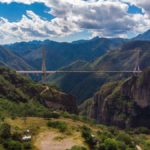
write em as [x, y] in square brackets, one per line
[143, 37]
[125, 103]
[77, 83]
[64, 53]
[10, 59]
[84, 85]
[18, 89]
[125, 58]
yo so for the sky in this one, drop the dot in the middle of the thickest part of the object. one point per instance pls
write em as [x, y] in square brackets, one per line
[70, 20]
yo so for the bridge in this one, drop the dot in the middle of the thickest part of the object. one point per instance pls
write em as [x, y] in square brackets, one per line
[76, 71]
[45, 72]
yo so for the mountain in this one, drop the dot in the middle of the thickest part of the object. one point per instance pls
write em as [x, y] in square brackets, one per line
[22, 48]
[19, 90]
[8, 58]
[33, 115]
[84, 85]
[38, 111]
[124, 103]
[143, 37]
[64, 53]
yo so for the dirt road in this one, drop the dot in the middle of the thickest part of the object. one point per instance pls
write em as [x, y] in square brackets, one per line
[55, 141]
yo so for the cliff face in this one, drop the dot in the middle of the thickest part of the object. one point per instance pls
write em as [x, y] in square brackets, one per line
[18, 89]
[124, 103]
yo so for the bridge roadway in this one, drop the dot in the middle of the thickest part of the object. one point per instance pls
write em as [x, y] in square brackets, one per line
[74, 71]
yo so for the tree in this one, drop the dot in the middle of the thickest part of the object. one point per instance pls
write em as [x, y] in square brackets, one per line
[110, 144]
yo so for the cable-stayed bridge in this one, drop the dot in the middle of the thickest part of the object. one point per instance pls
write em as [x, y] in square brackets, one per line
[75, 71]
[45, 72]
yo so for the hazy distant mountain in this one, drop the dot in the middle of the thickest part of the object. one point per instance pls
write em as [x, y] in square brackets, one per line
[144, 37]
[8, 58]
[61, 54]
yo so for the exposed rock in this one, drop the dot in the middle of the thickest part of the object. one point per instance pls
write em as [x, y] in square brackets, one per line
[124, 103]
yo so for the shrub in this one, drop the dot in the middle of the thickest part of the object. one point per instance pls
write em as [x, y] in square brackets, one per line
[78, 148]
[113, 130]
[142, 130]
[5, 132]
[125, 138]
[104, 135]
[16, 136]
[110, 144]
[27, 146]
[87, 135]
[13, 145]
[62, 126]
[146, 145]
[102, 147]
[66, 114]
[75, 117]
[51, 115]
[121, 145]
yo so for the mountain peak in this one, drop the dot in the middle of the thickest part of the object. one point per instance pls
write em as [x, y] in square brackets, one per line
[96, 38]
[143, 37]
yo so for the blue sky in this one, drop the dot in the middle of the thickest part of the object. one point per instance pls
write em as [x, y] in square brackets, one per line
[64, 20]
[14, 11]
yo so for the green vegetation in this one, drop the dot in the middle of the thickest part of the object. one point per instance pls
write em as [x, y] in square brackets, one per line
[141, 130]
[97, 137]
[85, 107]
[108, 139]
[11, 109]
[25, 106]
[61, 126]
[77, 148]
[12, 141]
[20, 96]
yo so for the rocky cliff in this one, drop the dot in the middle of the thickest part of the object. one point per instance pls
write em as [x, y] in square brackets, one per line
[124, 103]
[19, 89]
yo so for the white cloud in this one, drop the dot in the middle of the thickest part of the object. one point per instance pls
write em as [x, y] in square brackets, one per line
[101, 17]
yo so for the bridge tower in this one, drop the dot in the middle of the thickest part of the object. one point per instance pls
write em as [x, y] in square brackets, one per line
[43, 64]
[137, 62]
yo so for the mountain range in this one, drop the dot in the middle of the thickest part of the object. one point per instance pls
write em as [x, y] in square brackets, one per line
[95, 54]
[64, 53]
[83, 85]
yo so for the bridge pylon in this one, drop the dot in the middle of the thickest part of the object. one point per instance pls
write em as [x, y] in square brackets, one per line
[137, 62]
[43, 64]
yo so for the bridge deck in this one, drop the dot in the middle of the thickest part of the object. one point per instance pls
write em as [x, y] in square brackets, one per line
[67, 71]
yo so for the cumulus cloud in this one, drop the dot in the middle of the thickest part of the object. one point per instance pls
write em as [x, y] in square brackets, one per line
[108, 18]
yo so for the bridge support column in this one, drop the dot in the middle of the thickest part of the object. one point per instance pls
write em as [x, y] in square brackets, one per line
[43, 65]
[137, 63]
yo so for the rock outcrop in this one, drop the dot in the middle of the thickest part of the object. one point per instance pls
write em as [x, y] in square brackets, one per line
[124, 103]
